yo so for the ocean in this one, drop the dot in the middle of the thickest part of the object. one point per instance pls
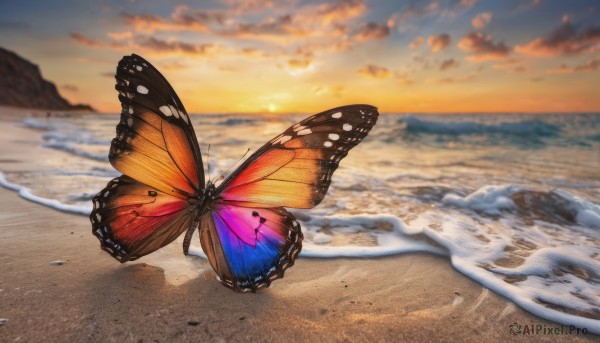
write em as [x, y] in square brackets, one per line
[512, 200]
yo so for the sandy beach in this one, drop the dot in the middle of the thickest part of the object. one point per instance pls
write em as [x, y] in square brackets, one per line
[56, 285]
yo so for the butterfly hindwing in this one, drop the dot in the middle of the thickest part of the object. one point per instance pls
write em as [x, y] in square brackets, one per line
[250, 247]
[132, 219]
[155, 142]
[294, 169]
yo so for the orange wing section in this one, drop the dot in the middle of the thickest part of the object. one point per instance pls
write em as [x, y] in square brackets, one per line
[294, 169]
[155, 142]
[132, 219]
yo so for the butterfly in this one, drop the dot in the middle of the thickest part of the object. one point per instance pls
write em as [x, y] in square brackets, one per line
[249, 237]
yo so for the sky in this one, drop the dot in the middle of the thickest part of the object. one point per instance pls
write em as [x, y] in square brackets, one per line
[224, 56]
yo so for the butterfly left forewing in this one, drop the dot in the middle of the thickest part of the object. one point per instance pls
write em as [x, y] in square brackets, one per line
[155, 142]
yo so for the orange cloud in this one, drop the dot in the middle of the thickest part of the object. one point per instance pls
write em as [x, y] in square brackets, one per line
[183, 18]
[374, 72]
[452, 80]
[483, 47]
[120, 35]
[84, 40]
[96, 43]
[448, 64]
[280, 26]
[372, 31]
[416, 42]
[439, 42]
[481, 20]
[340, 11]
[158, 45]
[564, 40]
[589, 66]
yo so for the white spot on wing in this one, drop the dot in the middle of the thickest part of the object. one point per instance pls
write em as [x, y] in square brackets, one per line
[281, 139]
[334, 136]
[165, 110]
[304, 132]
[284, 139]
[336, 115]
[347, 127]
[174, 111]
[142, 90]
[138, 68]
[298, 127]
[327, 144]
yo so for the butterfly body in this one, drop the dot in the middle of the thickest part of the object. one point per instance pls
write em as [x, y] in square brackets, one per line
[249, 237]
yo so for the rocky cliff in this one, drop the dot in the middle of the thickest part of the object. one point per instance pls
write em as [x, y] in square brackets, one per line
[22, 85]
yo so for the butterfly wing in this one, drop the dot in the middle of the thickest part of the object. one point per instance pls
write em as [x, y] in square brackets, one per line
[132, 219]
[249, 238]
[155, 142]
[156, 149]
[294, 169]
[250, 247]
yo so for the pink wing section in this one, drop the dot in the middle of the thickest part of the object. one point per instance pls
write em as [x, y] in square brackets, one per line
[250, 247]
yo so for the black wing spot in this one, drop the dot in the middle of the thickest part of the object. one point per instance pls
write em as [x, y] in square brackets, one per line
[255, 214]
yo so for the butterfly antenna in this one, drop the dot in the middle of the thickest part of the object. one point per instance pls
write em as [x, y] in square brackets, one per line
[228, 169]
[208, 163]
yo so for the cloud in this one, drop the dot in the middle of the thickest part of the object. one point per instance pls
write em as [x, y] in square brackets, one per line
[158, 45]
[589, 66]
[452, 80]
[416, 42]
[183, 18]
[449, 64]
[249, 6]
[341, 10]
[513, 64]
[481, 20]
[483, 47]
[374, 72]
[336, 90]
[84, 40]
[404, 79]
[120, 35]
[279, 26]
[371, 31]
[439, 42]
[413, 11]
[465, 4]
[458, 7]
[563, 40]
